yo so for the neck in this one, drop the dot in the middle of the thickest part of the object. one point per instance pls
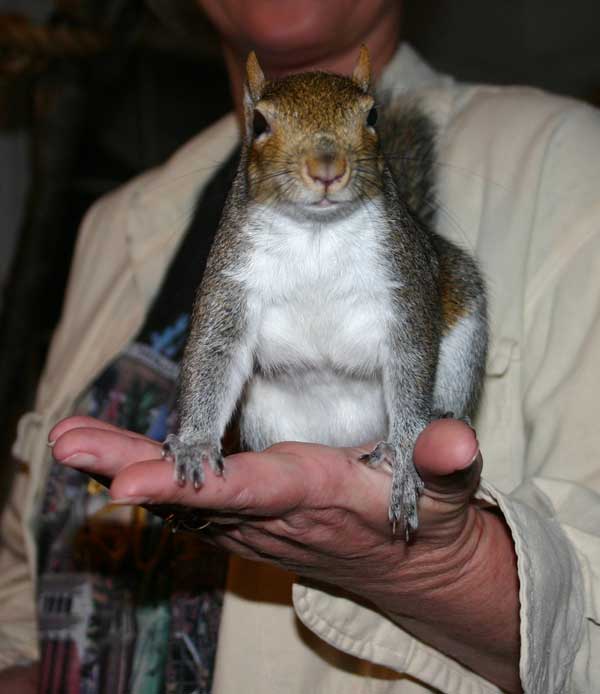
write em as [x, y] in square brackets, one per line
[381, 40]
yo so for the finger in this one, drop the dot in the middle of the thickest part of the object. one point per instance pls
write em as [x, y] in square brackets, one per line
[445, 446]
[102, 451]
[447, 457]
[251, 484]
[79, 422]
[273, 482]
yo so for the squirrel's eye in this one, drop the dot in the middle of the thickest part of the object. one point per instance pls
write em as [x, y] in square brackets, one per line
[259, 125]
[372, 117]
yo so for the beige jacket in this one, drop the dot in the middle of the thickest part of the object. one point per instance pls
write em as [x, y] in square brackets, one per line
[520, 186]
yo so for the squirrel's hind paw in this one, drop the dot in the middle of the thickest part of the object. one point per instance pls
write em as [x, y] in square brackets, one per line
[189, 458]
[406, 486]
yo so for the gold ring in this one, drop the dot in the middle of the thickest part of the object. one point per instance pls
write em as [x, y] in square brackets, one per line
[202, 527]
[181, 522]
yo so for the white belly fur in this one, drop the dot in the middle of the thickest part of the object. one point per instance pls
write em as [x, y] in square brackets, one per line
[315, 407]
[319, 310]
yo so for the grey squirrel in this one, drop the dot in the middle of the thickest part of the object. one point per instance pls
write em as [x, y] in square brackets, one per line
[328, 311]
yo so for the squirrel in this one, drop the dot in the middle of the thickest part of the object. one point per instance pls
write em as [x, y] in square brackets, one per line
[329, 311]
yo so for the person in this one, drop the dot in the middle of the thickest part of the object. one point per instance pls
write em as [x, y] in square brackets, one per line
[500, 588]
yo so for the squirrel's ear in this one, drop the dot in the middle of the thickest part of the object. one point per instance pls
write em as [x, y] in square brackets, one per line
[255, 78]
[362, 72]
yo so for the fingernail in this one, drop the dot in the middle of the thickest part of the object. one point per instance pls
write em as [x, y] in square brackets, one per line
[130, 501]
[80, 459]
[50, 443]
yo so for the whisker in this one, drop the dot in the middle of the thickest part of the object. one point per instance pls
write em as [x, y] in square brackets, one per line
[398, 156]
[211, 167]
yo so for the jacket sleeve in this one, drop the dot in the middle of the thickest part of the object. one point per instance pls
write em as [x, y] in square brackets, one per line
[18, 635]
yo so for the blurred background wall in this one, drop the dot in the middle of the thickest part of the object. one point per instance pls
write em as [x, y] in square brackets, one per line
[93, 92]
[551, 44]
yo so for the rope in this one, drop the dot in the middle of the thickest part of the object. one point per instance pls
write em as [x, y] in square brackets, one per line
[28, 47]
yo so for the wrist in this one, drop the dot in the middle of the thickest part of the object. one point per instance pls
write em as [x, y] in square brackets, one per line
[426, 574]
[463, 599]
[435, 578]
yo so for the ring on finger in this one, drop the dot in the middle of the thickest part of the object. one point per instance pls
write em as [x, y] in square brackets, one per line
[186, 521]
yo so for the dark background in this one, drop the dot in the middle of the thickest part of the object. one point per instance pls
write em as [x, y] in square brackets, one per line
[92, 92]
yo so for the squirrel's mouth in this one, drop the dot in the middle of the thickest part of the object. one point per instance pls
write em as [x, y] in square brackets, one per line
[328, 205]
[325, 202]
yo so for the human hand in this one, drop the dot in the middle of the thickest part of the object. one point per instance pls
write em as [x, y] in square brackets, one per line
[318, 512]
[296, 505]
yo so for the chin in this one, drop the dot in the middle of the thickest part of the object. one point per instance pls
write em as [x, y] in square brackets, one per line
[287, 26]
[287, 32]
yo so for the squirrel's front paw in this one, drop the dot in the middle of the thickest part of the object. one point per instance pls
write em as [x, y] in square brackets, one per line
[406, 485]
[189, 458]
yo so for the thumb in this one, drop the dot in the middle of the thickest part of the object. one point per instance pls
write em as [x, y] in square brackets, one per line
[447, 457]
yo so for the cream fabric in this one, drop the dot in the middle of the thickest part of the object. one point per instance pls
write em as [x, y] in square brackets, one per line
[519, 180]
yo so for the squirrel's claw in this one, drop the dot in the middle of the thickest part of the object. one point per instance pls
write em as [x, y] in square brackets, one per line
[189, 458]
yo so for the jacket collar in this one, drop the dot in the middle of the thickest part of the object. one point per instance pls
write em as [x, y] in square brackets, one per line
[163, 200]
[407, 72]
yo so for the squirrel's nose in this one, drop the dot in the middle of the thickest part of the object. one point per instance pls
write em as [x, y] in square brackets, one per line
[327, 169]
